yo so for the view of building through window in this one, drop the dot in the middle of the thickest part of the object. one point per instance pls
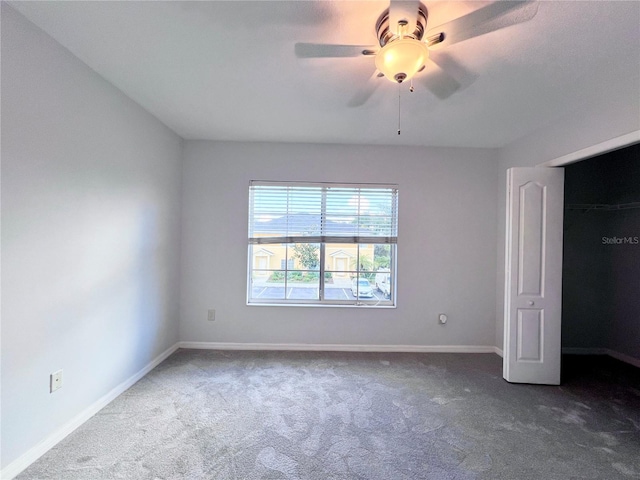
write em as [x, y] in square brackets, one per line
[322, 243]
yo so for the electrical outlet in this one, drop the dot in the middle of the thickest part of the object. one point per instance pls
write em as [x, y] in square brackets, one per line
[55, 381]
[442, 318]
[211, 315]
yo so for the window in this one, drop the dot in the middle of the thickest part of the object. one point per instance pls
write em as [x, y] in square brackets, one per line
[322, 243]
[286, 264]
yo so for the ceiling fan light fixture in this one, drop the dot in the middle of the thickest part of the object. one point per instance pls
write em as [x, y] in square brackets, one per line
[401, 59]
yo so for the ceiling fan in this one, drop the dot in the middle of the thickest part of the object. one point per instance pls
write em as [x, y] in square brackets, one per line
[405, 44]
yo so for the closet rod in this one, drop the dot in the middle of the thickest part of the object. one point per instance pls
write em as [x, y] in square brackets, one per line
[602, 206]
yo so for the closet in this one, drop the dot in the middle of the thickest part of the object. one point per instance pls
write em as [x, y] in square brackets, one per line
[601, 264]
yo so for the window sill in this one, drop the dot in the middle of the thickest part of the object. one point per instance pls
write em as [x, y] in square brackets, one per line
[321, 305]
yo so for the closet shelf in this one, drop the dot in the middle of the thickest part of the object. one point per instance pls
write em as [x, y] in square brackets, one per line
[602, 206]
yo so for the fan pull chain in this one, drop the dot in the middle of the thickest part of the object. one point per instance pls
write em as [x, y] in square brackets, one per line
[399, 108]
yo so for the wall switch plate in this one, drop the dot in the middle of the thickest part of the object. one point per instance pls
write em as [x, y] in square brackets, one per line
[442, 318]
[211, 315]
[55, 381]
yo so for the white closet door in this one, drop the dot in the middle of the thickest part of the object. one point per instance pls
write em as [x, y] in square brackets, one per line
[533, 275]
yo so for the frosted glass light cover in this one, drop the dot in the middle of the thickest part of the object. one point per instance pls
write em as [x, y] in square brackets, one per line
[405, 56]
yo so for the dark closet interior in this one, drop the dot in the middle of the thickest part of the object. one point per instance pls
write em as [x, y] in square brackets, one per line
[601, 265]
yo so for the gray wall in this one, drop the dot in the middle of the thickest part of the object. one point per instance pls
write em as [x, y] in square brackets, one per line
[446, 245]
[624, 330]
[90, 235]
[586, 283]
[601, 291]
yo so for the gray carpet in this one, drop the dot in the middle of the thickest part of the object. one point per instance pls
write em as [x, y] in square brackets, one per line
[306, 415]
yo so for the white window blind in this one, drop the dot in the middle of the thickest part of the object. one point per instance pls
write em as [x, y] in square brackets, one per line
[322, 212]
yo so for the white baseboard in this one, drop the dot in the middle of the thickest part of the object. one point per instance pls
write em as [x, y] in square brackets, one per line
[311, 347]
[623, 357]
[31, 455]
[498, 351]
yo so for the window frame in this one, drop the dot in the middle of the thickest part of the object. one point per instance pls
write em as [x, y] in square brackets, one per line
[322, 241]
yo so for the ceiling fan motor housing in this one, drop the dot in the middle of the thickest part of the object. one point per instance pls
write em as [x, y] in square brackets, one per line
[386, 32]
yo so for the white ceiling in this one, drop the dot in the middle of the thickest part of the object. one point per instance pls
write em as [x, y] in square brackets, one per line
[227, 70]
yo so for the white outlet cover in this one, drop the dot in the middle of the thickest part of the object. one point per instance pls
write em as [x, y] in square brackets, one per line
[55, 381]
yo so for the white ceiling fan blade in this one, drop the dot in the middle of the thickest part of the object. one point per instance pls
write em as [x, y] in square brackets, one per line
[323, 50]
[366, 90]
[406, 10]
[453, 68]
[487, 19]
[438, 81]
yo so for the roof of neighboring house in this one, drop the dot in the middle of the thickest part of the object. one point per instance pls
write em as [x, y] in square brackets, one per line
[341, 253]
[263, 251]
[304, 224]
